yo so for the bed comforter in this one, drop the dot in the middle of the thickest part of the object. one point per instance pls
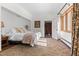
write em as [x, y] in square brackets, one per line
[29, 38]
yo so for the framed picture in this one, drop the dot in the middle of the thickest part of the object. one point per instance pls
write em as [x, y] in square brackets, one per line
[37, 24]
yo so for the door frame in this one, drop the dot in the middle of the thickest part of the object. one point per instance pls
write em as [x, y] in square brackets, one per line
[44, 27]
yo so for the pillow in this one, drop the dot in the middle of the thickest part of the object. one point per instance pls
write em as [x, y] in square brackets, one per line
[22, 30]
[13, 30]
[18, 30]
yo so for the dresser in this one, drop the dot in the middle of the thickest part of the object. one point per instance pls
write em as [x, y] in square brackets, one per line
[4, 40]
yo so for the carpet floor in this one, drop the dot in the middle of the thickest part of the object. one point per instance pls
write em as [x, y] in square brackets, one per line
[53, 48]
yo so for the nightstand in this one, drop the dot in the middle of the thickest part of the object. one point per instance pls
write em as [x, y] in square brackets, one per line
[4, 40]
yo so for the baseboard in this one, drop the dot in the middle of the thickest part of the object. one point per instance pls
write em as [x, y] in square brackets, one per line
[65, 42]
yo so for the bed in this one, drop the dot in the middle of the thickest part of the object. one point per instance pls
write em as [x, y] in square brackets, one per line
[23, 35]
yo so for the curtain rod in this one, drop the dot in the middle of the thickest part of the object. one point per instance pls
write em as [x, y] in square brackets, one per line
[62, 8]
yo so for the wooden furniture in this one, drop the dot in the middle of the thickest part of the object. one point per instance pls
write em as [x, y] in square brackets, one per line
[4, 40]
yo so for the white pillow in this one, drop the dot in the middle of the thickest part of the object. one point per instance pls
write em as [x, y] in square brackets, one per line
[13, 30]
[24, 29]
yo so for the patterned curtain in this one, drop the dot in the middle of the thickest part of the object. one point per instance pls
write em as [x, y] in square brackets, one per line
[75, 30]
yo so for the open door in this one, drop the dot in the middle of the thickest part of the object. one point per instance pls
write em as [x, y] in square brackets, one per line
[48, 29]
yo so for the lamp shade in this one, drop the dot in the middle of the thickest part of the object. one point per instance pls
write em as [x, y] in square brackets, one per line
[2, 24]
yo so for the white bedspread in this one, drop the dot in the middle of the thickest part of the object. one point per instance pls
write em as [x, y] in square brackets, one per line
[17, 37]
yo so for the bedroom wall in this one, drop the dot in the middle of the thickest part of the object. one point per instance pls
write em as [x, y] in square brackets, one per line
[65, 35]
[55, 27]
[12, 20]
[16, 8]
[41, 29]
[35, 29]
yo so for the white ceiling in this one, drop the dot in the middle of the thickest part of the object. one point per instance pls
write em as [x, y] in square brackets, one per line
[42, 9]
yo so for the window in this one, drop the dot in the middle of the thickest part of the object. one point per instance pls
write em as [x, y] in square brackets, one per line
[69, 24]
[66, 20]
[62, 22]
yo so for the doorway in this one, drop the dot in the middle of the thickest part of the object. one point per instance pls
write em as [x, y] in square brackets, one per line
[48, 29]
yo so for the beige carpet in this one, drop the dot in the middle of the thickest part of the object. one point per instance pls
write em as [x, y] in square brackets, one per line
[53, 48]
